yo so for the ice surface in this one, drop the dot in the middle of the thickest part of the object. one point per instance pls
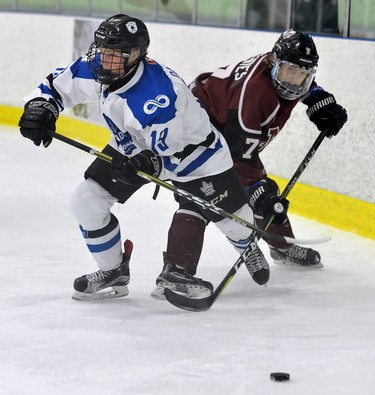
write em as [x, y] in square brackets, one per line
[318, 325]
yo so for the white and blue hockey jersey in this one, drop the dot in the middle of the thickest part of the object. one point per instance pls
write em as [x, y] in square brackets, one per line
[155, 110]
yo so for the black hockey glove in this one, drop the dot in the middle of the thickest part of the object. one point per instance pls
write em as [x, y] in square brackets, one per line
[265, 201]
[324, 112]
[125, 169]
[38, 118]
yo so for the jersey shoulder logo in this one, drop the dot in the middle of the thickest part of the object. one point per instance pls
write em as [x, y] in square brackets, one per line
[161, 101]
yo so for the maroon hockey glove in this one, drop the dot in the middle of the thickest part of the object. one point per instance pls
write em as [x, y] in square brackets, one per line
[324, 112]
[38, 118]
[125, 169]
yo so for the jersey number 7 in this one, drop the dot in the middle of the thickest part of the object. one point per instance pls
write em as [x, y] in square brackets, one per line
[252, 143]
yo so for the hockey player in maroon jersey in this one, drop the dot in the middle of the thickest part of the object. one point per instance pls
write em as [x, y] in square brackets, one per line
[250, 102]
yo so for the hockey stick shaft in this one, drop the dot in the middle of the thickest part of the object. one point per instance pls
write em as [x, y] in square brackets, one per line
[306, 160]
[195, 199]
[301, 168]
[203, 304]
[80, 146]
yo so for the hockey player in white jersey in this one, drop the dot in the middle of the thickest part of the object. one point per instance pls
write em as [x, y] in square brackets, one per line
[157, 127]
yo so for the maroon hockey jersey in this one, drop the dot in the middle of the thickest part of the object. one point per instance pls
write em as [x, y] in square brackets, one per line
[242, 103]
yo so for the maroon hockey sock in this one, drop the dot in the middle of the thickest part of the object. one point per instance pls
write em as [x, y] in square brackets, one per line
[185, 241]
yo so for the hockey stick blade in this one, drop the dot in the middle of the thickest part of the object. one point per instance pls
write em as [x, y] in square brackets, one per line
[186, 303]
[318, 240]
[193, 304]
[189, 304]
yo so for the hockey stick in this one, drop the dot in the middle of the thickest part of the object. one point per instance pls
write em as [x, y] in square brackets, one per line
[186, 303]
[195, 199]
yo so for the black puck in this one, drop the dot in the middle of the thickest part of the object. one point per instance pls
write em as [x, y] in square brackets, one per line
[279, 376]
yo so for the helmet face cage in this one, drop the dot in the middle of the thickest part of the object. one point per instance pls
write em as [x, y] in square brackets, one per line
[108, 65]
[290, 80]
[294, 62]
[120, 43]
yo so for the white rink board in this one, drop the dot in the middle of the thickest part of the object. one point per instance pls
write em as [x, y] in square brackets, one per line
[342, 165]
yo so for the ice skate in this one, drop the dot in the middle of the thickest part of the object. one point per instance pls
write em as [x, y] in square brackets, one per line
[257, 266]
[105, 284]
[296, 255]
[180, 280]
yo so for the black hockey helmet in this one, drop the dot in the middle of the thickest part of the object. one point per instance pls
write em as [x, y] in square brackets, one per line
[297, 48]
[123, 32]
[118, 34]
[294, 49]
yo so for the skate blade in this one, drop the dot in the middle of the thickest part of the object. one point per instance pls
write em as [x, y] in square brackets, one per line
[158, 293]
[115, 292]
[293, 264]
[191, 292]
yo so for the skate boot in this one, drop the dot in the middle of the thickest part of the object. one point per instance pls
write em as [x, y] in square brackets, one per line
[105, 284]
[296, 255]
[180, 280]
[258, 266]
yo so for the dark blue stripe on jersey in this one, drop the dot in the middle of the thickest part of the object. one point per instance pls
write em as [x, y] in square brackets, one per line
[151, 93]
[94, 248]
[80, 69]
[46, 89]
[202, 158]
[168, 164]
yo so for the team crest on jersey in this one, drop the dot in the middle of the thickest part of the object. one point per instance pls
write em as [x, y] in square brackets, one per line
[207, 188]
[161, 101]
[132, 27]
[123, 139]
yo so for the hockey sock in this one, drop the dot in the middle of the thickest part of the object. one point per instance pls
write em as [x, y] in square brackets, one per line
[105, 244]
[185, 241]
